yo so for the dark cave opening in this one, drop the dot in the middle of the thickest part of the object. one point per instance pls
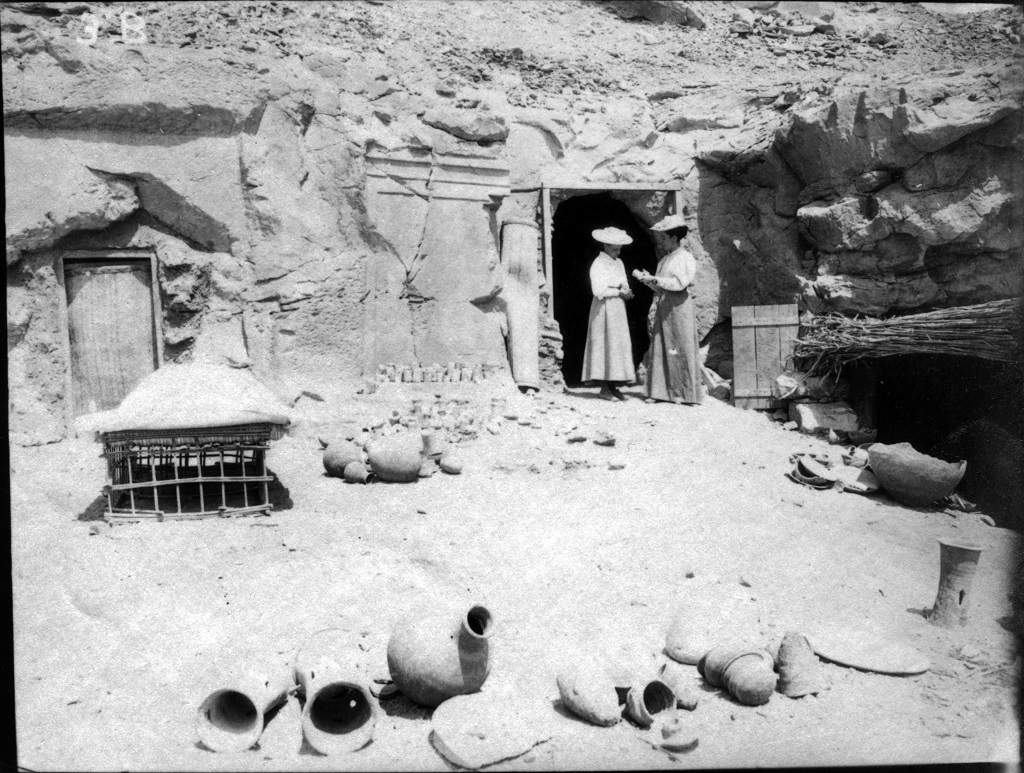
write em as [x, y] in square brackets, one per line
[573, 250]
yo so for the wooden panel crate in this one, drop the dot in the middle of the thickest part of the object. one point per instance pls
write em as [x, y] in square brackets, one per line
[185, 474]
[762, 340]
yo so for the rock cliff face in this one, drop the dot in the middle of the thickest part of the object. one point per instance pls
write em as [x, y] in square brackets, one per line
[237, 141]
[906, 193]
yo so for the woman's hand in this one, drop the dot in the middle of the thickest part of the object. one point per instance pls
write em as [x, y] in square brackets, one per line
[625, 292]
[646, 278]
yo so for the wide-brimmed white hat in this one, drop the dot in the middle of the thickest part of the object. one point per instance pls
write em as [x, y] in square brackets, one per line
[612, 236]
[670, 222]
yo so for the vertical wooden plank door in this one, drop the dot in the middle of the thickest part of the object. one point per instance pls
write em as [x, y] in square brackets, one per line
[110, 327]
[744, 379]
[762, 341]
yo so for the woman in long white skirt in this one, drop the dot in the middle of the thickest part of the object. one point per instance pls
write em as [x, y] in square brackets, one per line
[608, 357]
[674, 374]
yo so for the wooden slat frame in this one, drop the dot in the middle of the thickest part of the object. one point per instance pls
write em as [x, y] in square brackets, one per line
[744, 357]
[763, 338]
[62, 312]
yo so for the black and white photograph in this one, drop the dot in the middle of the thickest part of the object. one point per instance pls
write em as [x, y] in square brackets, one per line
[514, 385]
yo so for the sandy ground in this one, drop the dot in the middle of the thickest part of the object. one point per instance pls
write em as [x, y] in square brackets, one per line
[115, 633]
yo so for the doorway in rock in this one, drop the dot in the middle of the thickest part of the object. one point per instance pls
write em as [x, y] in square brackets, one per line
[111, 312]
[960, 408]
[573, 250]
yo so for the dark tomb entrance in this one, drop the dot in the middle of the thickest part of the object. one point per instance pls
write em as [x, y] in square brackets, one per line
[573, 250]
[954, 407]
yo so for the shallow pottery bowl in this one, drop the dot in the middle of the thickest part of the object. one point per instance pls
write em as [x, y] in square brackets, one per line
[913, 478]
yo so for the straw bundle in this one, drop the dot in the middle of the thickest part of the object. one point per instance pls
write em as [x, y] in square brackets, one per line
[986, 330]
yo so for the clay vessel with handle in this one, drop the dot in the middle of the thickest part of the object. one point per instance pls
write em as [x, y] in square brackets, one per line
[435, 657]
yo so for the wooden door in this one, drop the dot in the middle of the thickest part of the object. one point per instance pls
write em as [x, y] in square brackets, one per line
[110, 327]
[762, 339]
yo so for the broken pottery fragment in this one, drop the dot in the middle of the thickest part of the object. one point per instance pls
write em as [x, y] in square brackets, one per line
[676, 736]
[913, 478]
[386, 692]
[799, 669]
[645, 699]
[588, 692]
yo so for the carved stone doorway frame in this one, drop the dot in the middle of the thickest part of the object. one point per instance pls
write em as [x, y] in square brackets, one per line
[546, 215]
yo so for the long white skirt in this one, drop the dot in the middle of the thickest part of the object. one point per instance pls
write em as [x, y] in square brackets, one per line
[609, 352]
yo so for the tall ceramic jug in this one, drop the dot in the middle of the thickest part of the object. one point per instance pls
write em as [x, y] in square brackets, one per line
[433, 658]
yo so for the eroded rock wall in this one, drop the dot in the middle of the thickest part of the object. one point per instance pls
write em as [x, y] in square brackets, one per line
[911, 197]
[245, 168]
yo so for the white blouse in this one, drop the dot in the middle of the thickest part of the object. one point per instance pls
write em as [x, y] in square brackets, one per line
[676, 270]
[607, 276]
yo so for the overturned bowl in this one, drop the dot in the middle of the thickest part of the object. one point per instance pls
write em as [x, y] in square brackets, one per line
[913, 478]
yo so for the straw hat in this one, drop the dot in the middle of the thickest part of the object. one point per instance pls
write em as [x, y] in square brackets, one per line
[670, 222]
[612, 236]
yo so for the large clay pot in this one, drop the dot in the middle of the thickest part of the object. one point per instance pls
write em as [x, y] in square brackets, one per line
[396, 459]
[338, 455]
[913, 478]
[339, 714]
[433, 658]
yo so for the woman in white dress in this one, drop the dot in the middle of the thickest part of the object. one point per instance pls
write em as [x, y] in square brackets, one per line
[608, 357]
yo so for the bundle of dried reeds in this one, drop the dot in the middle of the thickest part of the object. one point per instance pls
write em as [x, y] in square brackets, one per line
[986, 330]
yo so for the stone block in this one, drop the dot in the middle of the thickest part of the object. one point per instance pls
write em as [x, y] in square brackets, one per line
[474, 125]
[819, 418]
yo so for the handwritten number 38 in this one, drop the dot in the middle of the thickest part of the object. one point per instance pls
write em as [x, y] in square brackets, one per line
[133, 28]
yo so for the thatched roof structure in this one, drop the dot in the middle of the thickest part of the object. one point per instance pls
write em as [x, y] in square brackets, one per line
[989, 331]
[191, 396]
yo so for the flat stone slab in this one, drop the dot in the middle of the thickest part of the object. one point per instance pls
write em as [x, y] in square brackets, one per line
[819, 418]
[868, 652]
[472, 731]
